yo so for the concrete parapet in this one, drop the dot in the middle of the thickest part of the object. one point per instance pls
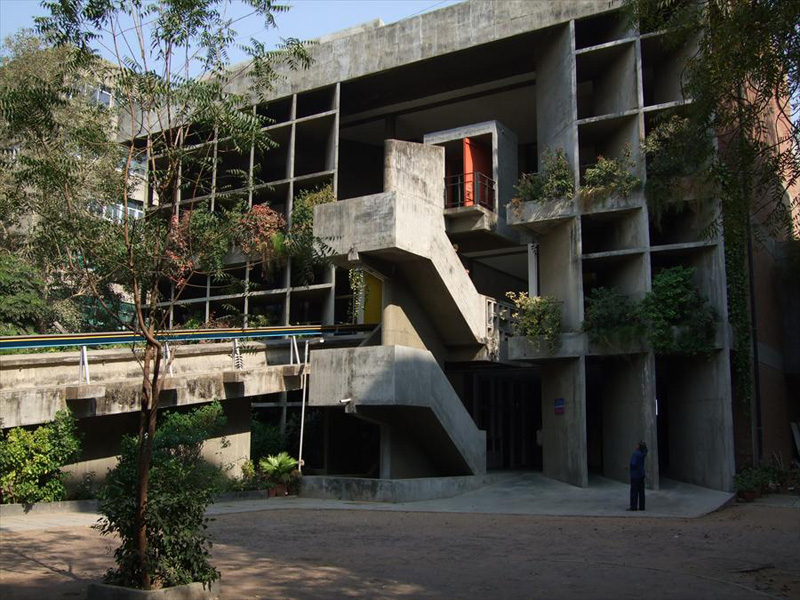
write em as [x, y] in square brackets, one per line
[34, 405]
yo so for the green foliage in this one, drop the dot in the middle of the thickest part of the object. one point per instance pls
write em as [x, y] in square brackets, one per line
[265, 440]
[610, 177]
[537, 316]
[677, 317]
[23, 307]
[554, 180]
[280, 468]
[611, 318]
[740, 87]
[746, 480]
[307, 251]
[181, 112]
[678, 167]
[181, 488]
[31, 461]
[253, 478]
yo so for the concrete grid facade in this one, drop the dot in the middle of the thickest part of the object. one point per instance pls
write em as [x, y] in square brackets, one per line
[422, 128]
[400, 120]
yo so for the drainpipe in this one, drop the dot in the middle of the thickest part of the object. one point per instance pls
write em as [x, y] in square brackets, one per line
[533, 270]
[755, 420]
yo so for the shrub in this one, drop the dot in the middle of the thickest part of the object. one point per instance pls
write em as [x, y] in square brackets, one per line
[537, 316]
[261, 235]
[609, 177]
[253, 478]
[677, 318]
[553, 181]
[611, 317]
[31, 461]
[180, 490]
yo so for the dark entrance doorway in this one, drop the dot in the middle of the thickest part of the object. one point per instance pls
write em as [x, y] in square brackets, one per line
[507, 404]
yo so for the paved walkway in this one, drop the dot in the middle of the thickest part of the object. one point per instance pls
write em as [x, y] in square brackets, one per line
[517, 494]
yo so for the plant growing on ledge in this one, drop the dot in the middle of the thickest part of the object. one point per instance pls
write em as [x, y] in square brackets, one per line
[554, 181]
[677, 318]
[537, 316]
[610, 177]
[611, 317]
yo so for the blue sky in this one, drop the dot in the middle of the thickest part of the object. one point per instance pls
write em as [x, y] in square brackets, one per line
[307, 19]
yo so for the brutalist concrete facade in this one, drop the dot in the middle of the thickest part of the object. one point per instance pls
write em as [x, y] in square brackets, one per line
[391, 116]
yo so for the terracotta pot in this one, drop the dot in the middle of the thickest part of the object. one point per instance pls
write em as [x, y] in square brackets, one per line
[749, 495]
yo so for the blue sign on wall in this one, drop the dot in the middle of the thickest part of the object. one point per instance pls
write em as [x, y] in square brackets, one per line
[558, 406]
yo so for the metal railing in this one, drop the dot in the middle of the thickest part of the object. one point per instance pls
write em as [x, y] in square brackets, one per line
[469, 189]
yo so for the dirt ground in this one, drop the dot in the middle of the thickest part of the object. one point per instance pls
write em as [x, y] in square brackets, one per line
[744, 551]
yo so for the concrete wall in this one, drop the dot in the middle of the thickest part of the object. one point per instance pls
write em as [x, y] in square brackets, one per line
[102, 438]
[560, 270]
[700, 423]
[629, 416]
[406, 323]
[564, 435]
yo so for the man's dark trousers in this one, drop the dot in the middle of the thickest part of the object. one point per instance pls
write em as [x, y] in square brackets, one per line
[637, 494]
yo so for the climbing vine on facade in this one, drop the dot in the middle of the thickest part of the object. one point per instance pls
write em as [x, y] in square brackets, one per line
[358, 286]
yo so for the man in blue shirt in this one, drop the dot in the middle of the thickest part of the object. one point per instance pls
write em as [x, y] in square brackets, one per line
[637, 477]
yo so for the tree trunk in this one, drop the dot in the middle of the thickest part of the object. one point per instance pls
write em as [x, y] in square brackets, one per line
[151, 387]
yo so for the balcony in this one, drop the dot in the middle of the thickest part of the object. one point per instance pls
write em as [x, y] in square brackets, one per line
[469, 189]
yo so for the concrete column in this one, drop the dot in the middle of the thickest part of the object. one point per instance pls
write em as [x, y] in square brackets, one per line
[556, 97]
[564, 431]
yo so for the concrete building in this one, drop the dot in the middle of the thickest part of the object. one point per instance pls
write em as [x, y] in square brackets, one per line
[423, 128]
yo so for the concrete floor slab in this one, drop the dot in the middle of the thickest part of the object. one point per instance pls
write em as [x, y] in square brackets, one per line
[515, 494]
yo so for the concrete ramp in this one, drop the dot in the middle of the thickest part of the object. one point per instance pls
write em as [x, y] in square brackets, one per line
[425, 429]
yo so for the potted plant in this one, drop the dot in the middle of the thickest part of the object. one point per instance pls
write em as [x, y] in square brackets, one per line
[746, 485]
[281, 469]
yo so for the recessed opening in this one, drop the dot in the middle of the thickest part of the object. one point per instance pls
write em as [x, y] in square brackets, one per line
[315, 102]
[601, 29]
[314, 146]
[609, 231]
[606, 81]
[272, 164]
[233, 167]
[662, 71]
[306, 307]
[277, 111]
[625, 272]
